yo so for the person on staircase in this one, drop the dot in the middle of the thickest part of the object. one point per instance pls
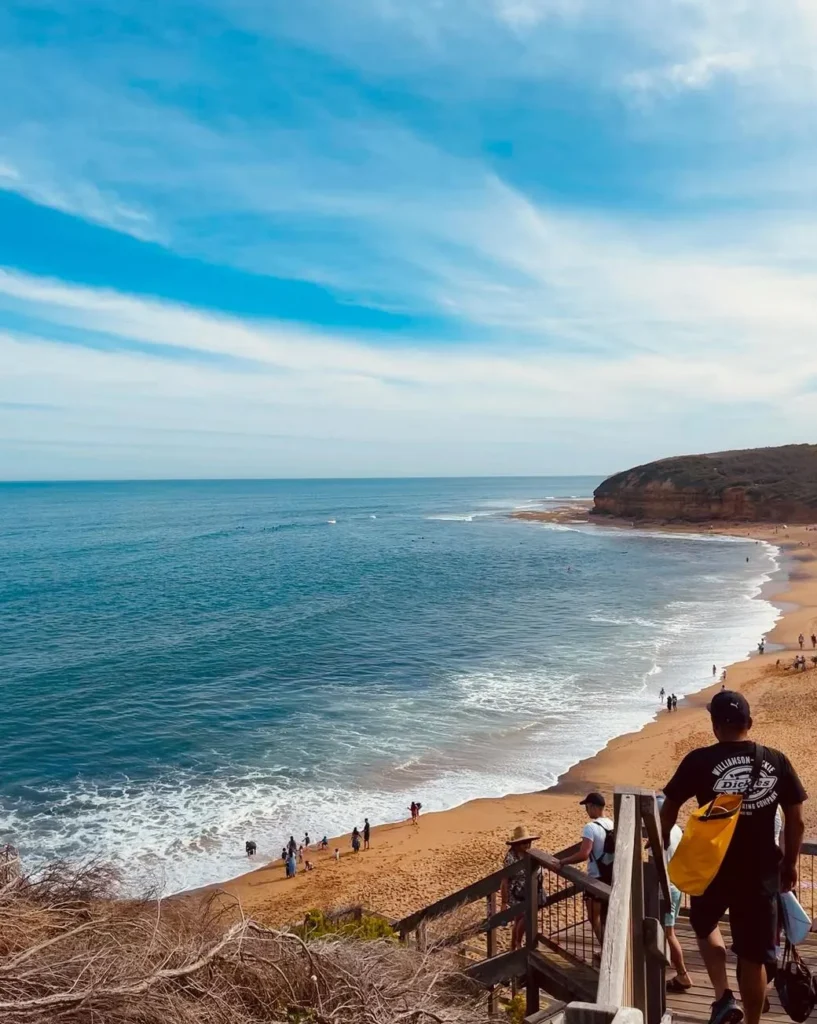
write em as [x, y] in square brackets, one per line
[682, 981]
[595, 849]
[513, 889]
[753, 871]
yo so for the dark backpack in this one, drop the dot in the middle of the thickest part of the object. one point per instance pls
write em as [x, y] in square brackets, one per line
[605, 862]
[795, 985]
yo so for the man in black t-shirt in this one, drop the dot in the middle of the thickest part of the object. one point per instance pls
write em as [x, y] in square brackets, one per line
[753, 871]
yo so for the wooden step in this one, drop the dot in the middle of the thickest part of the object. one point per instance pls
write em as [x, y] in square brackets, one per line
[564, 978]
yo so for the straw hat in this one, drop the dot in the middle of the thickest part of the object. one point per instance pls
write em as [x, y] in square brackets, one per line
[521, 835]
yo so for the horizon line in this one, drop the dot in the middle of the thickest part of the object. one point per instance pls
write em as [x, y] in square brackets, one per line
[299, 479]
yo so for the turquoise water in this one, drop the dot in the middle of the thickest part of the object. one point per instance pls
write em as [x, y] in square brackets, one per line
[187, 665]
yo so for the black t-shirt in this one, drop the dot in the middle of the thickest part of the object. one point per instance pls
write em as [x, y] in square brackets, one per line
[725, 768]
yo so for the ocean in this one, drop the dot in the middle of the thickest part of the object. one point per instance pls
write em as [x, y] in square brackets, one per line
[188, 665]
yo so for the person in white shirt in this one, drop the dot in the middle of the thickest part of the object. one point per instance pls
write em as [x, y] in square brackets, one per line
[592, 850]
[682, 981]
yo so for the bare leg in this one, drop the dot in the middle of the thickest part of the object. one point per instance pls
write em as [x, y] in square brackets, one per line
[752, 990]
[677, 957]
[713, 952]
[518, 932]
[594, 913]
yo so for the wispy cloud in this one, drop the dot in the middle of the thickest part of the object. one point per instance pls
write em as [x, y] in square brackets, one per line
[578, 191]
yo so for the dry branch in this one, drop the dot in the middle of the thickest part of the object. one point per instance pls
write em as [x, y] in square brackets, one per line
[71, 954]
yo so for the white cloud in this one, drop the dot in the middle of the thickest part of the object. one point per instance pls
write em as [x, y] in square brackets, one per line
[697, 73]
[81, 198]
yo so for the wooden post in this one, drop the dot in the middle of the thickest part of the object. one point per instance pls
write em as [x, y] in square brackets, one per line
[613, 974]
[637, 920]
[421, 937]
[531, 933]
[490, 950]
[656, 970]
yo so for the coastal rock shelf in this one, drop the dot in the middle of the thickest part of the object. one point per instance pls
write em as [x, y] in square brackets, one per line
[776, 485]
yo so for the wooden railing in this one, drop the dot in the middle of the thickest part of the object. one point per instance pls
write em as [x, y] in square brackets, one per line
[627, 970]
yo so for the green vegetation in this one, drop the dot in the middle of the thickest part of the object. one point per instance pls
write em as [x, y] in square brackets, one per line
[351, 924]
[515, 1010]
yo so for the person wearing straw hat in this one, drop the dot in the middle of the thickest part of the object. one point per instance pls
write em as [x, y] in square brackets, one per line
[513, 889]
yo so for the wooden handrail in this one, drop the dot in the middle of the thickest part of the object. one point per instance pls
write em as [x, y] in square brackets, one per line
[475, 891]
[485, 886]
[582, 881]
[613, 971]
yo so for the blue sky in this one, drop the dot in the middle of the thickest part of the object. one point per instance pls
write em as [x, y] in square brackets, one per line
[371, 237]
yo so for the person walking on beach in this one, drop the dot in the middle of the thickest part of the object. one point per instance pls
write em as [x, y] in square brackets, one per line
[669, 702]
[596, 836]
[367, 831]
[801, 640]
[513, 889]
[413, 810]
[714, 671]
[356, 839]
[674, 702]
[753, 871]
[814, 641]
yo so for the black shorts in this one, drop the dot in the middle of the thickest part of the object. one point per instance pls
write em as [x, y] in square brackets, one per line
[752, 906]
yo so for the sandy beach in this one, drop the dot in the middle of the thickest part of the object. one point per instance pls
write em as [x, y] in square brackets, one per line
[409, 866]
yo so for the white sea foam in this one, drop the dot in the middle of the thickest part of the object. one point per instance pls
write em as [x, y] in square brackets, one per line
[186, 829]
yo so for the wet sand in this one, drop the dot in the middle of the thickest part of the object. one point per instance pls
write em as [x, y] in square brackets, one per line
[409, 866]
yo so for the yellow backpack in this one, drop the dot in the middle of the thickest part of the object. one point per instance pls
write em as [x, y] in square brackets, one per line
[707, 836]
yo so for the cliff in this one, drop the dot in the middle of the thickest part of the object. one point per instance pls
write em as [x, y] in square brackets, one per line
[777, 485]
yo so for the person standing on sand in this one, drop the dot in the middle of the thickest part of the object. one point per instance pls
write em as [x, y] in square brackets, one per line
[753, 871]
[814, 641]
[669, 702]
[592, 850]
[674, 702]
[367, 831]
[714, 671]
[413, 810]
[356, 839]
[292, 864]
[513, 889]
[801, 640]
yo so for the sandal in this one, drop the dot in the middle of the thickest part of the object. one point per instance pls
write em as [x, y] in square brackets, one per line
[675, 985]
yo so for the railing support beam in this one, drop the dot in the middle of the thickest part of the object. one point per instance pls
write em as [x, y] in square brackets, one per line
[531, 933]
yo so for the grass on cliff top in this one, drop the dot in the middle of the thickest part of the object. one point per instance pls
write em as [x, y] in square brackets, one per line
[785, 474]
[71, 953]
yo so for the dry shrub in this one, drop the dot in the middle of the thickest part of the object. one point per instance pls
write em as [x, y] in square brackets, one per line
[69, 953]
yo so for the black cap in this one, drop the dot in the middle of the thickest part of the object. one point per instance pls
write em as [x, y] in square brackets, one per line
[729, 708]
[594, 799]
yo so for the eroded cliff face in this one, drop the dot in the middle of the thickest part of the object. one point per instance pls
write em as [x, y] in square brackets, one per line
[777, 485]
[665, 502]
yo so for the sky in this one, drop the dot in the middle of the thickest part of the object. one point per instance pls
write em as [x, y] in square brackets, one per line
[258, 238]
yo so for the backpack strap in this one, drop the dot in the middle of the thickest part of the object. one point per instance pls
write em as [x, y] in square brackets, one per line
[606, 831]
[757, 764]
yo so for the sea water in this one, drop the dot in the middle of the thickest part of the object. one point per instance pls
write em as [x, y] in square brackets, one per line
[188, 665]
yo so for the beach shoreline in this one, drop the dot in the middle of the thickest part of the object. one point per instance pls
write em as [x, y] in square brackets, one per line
[410, 866]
